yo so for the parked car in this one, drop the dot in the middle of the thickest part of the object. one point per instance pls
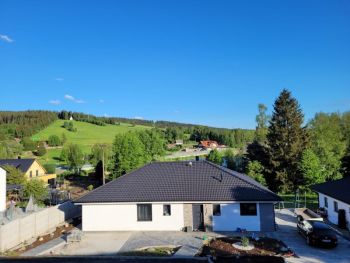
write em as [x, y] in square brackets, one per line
[317, 233]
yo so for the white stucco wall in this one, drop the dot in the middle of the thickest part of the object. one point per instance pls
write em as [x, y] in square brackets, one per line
[332, 215]
[2, 190]
[123, 217]
[230, 219]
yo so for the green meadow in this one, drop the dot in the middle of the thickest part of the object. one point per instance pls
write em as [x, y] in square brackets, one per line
[86, 136]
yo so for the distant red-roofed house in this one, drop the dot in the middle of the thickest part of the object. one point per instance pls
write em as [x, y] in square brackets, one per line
[208, 144]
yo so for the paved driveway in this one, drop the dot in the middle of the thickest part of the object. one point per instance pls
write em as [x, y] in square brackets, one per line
[96, 243]
[189, 242]
[288, 233]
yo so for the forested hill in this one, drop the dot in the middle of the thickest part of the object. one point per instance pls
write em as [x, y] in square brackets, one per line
[20, 124]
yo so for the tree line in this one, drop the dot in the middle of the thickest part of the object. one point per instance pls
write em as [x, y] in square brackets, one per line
[19, 124]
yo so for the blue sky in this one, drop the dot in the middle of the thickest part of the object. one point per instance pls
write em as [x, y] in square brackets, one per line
[207, 62]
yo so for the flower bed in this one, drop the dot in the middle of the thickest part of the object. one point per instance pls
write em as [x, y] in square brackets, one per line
[222, 247]
[161, 251]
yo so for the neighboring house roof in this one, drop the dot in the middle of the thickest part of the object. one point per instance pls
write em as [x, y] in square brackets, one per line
[13, 187]
[21, 164]
[208, 143]
[181, 182]
[338, 189]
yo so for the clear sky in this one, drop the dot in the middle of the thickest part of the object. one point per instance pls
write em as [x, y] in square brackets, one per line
[207, 62]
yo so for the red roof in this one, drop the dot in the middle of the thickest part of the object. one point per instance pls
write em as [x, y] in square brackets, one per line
[209, 144]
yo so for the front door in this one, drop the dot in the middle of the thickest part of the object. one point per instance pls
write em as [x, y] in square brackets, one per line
[198, 218]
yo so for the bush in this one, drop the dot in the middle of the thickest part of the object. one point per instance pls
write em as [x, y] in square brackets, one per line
[90, 187]
[54, 140]
[245, 241]
[36, 188]
[50, 168]
[69, 126]
[63, 138]
[29, 144]
[41, 149]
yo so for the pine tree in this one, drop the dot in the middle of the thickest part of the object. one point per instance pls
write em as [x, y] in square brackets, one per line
[287, 139]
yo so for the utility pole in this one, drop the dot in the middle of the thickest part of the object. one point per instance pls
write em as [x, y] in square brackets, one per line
[103, 166]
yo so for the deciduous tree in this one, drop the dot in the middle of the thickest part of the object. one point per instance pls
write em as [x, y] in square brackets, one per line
[256, 171]
[311, 169]
[215, 157]
[14, 175]
[129, 153]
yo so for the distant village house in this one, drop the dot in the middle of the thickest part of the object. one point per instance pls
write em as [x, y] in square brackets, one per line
[31, 168]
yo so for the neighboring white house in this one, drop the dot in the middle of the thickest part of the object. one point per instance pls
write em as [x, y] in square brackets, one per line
[333, 196]
[175, 195]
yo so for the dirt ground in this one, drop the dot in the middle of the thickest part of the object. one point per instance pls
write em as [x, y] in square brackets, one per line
[60, 231]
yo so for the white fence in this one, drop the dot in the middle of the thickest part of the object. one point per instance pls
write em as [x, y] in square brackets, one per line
[36, 224]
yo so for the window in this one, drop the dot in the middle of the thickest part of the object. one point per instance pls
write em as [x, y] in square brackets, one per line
[325, 202]
[37, 172]
[30, 174]
[216, 210]
[166, 210]
[144, 212]
[335, 206]
[248, 209]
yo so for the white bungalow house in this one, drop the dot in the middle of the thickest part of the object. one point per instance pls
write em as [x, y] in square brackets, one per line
[182, 195]
[334, 196]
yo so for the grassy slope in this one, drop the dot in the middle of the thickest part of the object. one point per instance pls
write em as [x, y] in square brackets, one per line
[87, 135]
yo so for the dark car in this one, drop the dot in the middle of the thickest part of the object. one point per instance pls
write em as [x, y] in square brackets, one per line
[317, 233]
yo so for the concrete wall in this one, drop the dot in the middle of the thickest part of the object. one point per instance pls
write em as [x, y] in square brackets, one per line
[332, 215]
[123, 217]
[35, 224]
[230, 219]
[2, 190]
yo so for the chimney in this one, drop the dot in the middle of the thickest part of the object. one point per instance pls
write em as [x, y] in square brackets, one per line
[19, 157]
[2, 190]
[197, 158]
[190, 164]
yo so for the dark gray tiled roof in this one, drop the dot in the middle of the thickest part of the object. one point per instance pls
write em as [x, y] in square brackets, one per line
[338, 189]
[179, 181]
[21, 164]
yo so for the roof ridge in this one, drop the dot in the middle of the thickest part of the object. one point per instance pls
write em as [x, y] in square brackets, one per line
[229, 171]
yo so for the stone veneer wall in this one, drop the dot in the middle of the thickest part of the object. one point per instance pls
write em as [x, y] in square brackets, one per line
[208, 217]
[188, 216]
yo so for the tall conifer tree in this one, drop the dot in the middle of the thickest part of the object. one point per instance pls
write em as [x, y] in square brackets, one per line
[287, 139]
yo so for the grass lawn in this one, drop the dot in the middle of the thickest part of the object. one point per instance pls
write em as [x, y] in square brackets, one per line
[86, 136]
